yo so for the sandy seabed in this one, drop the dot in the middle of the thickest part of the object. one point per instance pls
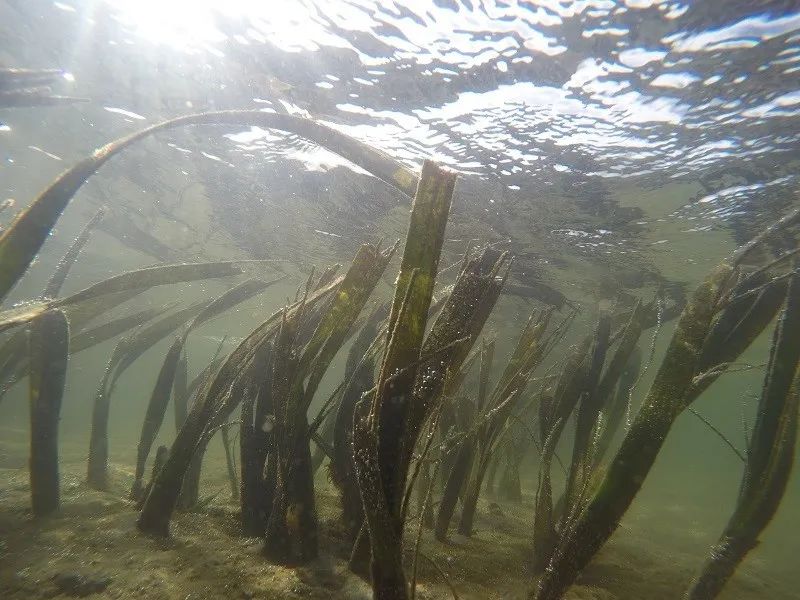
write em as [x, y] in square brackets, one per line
[92, 540]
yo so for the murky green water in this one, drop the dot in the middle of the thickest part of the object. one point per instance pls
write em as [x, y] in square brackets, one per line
[618, 150]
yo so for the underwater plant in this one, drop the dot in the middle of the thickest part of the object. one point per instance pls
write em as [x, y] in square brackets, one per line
[770, 455]
[22, 240]
[527, 355]
[359, 378]
[59, 276]
[378, 430]
[158, 462]
[672, 391]
[255, 440]
[12, 358]
[84, 305]
[125, 353]
[49, 343]
[31, 87]
[90, 302]
[617, 407]
[291, 529]
[554, 410]
[585, 387]
[154, 415]
[210, 408]
[414, 374]
[464, 453]
[162, 391]
[385, 430]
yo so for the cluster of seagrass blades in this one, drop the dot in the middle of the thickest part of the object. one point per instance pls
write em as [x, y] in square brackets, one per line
[404, 385]
[729, 309]
[77, 319]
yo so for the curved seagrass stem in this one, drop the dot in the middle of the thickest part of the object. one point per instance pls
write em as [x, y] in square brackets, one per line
[90, 302]
[591, 409]
[132, 347]
[154, 415]
[553, 415]
[20, 243]
[59, 276]
[461, 466]
[587, 414]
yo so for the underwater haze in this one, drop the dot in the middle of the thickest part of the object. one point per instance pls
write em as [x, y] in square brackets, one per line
[422, 299]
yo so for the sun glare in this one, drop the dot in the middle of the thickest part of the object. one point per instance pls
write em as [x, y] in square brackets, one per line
[191, 24]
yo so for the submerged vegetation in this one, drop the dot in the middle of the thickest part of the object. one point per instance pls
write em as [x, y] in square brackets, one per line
[418, 426]
[31, 87]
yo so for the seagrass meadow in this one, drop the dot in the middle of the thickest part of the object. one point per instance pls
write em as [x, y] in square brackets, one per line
[399, 300]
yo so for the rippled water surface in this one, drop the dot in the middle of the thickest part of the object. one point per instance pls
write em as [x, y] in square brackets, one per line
[537, 99]
[512, 89]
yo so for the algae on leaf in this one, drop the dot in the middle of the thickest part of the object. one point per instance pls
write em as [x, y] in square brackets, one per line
[212, 403]
[382, 444]
[296, 371]
[769, 458]
[672, 391]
